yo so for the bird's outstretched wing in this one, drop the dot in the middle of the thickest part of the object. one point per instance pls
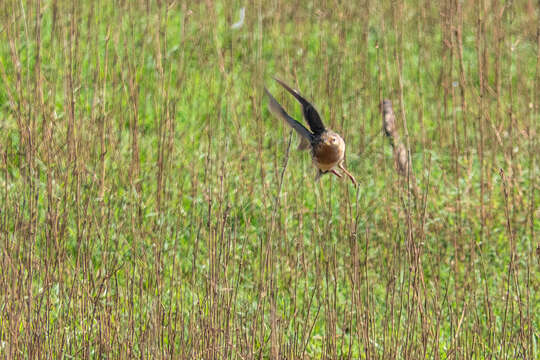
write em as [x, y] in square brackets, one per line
[310, 113]
[276, 109]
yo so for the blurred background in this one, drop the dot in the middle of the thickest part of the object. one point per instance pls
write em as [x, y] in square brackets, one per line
[152, 207]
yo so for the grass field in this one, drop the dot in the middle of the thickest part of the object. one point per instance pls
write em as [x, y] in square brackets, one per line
[152, 207]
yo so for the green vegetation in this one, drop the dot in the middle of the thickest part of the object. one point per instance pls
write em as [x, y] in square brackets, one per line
[151, 206]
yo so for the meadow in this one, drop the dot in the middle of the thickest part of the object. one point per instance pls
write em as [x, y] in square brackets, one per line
[152, 207]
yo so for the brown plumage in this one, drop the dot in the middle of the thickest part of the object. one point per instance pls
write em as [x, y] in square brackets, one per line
[327, 147]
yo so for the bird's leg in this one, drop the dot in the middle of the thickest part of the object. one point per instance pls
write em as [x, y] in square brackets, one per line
[336, 173]
[348, 173]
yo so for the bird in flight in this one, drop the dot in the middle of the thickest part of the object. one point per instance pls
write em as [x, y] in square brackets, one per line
[327, 147]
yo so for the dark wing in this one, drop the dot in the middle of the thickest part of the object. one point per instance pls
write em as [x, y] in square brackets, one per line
[278, 111]
[310, 113]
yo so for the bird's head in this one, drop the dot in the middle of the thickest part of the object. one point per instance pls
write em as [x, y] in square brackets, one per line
[330, 140]
[333, 140]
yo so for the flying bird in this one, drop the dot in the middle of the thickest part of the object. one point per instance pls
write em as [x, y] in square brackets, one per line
[327, 147]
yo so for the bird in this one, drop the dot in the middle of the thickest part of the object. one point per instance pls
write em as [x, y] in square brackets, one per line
[327, 147]
[389, 119]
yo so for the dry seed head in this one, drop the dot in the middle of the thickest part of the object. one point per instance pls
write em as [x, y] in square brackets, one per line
[389, 119]
[401, 159]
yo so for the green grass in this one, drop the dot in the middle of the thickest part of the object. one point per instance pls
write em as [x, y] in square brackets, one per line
[151, 206]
